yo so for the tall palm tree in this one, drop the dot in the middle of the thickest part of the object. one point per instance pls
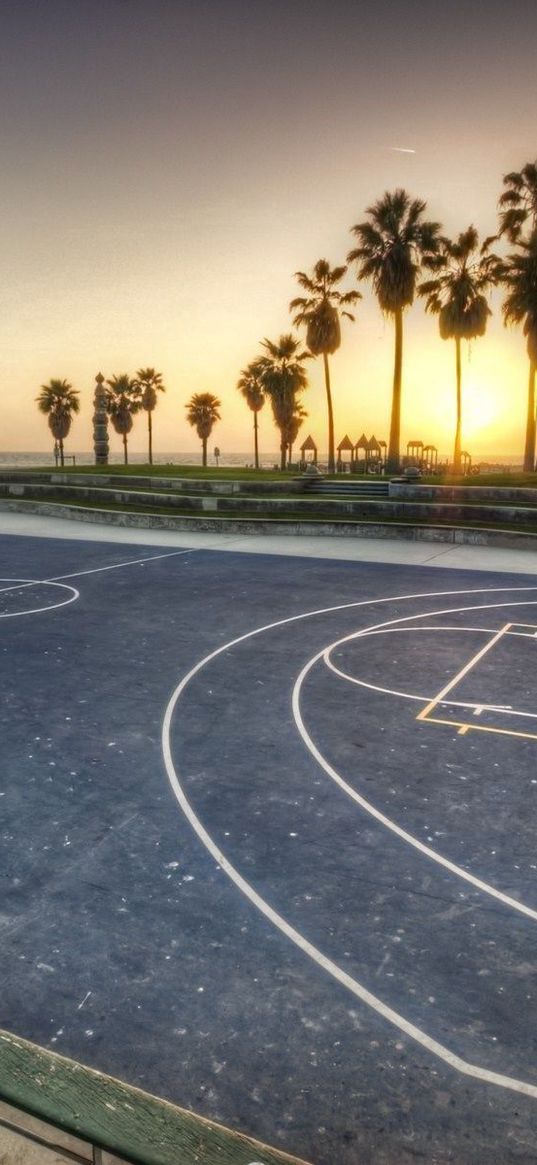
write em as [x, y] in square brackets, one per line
[518, 203]
[520, 307]
[123, 402]
[320, 311]
[250, 384]
[201, 413]
[457, 296]
[149, 383]
[283, 377]
[393, 245]
[59, 401]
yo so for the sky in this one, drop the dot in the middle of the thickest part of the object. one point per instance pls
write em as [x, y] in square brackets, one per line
[167, 165]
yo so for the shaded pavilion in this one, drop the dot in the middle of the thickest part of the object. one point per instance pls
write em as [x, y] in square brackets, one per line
[430, 457]
[308, 451]
[360, 447]
[345, 446]
[374, 453]
[414, 451]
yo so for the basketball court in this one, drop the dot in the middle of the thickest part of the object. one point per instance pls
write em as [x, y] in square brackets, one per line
[268, 840]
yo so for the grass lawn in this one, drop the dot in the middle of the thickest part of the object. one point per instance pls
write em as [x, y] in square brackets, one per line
[235, 473]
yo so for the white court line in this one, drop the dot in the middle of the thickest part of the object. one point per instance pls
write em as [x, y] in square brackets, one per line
[37, 610]
[507, 709]
[317, 956]
[408, 838]
[131, 562]
[20, 585]
[439, 699]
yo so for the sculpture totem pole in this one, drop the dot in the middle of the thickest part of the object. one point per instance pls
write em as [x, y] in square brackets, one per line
[100, 422]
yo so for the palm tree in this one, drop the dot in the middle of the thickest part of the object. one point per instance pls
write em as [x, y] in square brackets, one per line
[520, 307]
[320, 312]
[149, 383]
[293, 427]
[251, 386]
[283, 377]
[59, 401]
[201, 413]
[457, 296]
[394, 244]
[123, 402]
[518, 203]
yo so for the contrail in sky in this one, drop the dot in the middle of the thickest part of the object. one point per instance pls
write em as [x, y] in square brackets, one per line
[401, 150]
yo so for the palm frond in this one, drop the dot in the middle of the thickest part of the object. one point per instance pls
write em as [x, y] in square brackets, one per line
[350, 297]
[430, 287]
[304, 280]
[337, 273]
[510, 198]
[511, 223]
[429, 237]
[514, 179]
[370, 237]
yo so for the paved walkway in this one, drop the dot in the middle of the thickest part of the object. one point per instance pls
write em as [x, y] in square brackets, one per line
[486, 558]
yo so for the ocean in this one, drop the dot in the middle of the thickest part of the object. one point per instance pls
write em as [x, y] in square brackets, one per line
[26, 460]
[30, 460]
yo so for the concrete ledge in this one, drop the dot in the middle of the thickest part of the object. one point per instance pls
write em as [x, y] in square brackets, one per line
[298, 508]
[418, 492]
[206, 485]
[454, 535]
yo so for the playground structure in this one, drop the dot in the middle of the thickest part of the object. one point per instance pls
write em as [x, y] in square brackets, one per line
[308, 451]
[425, 458]
[368, 455]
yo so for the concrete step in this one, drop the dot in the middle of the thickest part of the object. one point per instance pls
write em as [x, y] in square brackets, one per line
[351, 489]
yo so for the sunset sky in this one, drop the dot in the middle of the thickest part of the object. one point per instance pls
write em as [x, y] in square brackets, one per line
[168, 164]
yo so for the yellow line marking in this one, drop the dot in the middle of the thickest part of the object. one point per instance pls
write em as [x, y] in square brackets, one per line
[463, 728]
[424, 714]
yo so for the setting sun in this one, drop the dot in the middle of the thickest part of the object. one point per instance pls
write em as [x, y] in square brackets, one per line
[481, 413]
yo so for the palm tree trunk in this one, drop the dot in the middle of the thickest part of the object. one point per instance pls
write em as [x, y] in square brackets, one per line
[394, 457]
[331, 444]
[125, 457]
[150, 435]
[529, 448]
[458, 427]
[61, 453]
[283, 452]
[204, 452]
[256, 448]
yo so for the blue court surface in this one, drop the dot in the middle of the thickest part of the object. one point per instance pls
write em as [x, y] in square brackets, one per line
[268, 841]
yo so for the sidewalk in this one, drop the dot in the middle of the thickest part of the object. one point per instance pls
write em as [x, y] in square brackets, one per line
[487, 558]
